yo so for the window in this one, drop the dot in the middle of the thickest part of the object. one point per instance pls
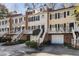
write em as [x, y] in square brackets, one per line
[50, 27]
[3, 29]
[29, 27]
[32, 27]
[34, 18]
[56, 27]
[55, 15]
[31, 19]
[58, 15]
[2, 22]
[20, 20]
[38, 17]
[64, 26]
[16, 20]
[50, 16]
[6, 22]
[68, 13]
[64, 14]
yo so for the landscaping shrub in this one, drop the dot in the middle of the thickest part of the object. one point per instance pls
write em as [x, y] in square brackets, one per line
[14, 43]
[3, 39]
[8, 44]
[31, 44]
[20, 41]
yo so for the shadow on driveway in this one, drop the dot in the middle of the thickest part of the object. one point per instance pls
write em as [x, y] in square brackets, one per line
[60, 50]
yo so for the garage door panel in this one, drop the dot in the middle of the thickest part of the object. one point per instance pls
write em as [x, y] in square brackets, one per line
[57, 39]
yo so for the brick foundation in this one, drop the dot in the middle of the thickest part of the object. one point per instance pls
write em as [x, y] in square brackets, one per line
[67, 38]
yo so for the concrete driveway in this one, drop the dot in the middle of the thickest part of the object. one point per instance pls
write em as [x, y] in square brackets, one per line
[57, 50]
[23, 50]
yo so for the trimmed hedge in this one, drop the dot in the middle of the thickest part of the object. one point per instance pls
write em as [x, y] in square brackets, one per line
[31, 44]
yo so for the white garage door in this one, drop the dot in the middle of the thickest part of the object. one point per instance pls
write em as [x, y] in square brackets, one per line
[57, 39]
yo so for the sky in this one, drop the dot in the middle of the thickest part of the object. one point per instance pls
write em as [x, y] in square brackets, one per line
[21, 8]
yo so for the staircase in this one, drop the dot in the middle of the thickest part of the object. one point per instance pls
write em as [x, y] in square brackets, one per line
[4, 34]
[74, 38]
[37, 39]
[41, 39]
[41, 36]
[18, 36]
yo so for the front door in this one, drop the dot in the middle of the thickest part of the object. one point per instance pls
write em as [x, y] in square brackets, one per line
[71, 25]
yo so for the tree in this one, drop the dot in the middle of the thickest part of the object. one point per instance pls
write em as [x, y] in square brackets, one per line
[3, 11]
[76, 12]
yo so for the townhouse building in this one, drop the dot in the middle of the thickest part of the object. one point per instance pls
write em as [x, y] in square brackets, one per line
[44, 25]
[61, 26]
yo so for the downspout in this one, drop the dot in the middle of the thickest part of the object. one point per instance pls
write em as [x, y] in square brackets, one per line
[26, 23]
[10, 25]
[47, 23]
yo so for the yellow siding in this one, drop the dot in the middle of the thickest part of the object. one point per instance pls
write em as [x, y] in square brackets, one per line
[61, 20]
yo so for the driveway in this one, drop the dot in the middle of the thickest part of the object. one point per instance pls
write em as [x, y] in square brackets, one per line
[57, 50]
[23, 50]
[15, 50]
